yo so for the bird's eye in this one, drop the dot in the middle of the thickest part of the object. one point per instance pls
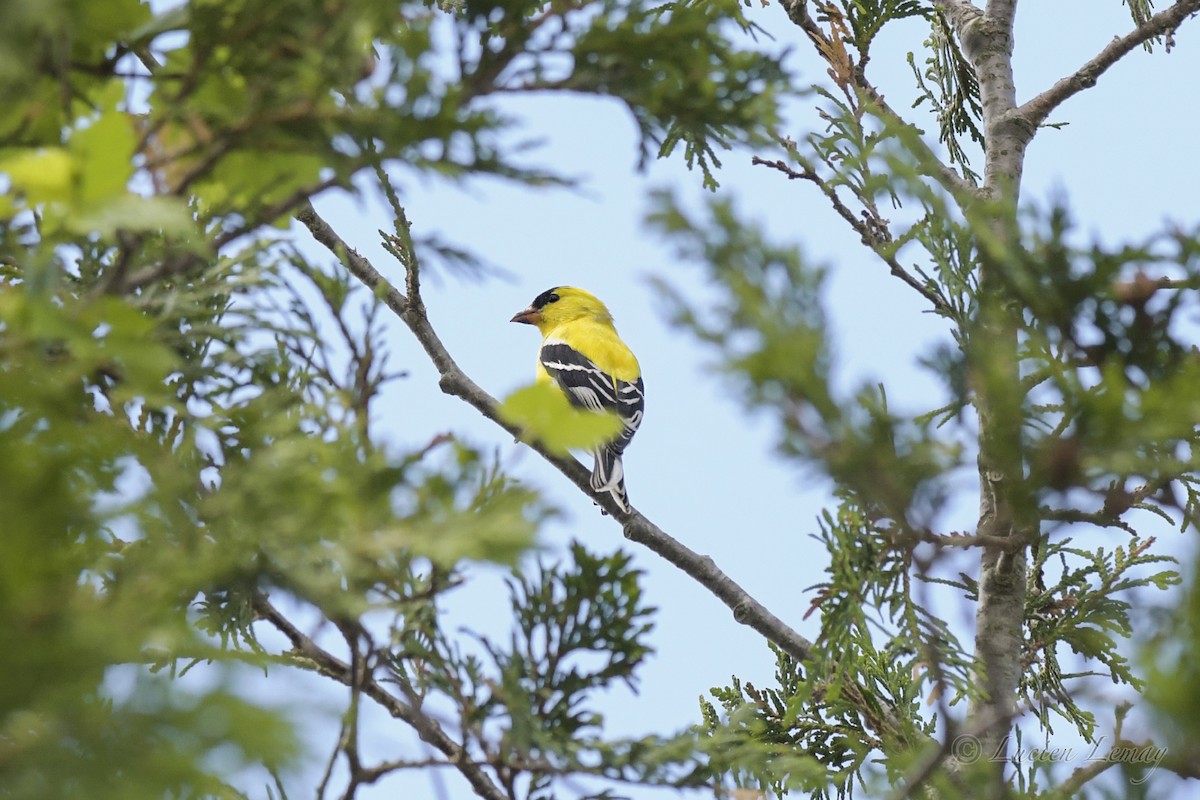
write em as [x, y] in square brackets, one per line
[552, 298]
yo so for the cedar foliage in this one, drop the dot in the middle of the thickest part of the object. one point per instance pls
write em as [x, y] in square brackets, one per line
[190, 470]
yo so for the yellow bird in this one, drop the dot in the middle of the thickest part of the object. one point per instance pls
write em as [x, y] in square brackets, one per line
[582, 353]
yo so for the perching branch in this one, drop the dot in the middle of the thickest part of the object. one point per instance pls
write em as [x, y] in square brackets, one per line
[1035, 111]
[637, 528]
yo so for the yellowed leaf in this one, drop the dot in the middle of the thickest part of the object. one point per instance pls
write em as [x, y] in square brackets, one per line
[542, 412]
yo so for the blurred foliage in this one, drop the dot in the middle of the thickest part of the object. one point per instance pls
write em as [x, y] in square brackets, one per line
[1088, 611]
[1108, 439]
[170, 461]
[188, 400]
[1172, 658]
[770, 330]
[84, 468]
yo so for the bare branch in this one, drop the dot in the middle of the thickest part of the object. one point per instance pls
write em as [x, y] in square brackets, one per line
[327, 775]
[1035, 111]
[704, 570]
[359, 266]
[1117, 501]
[797, 11]
[1100, 519]
[955, 539]
[1081, 776]
[542, 766]
[637, 528]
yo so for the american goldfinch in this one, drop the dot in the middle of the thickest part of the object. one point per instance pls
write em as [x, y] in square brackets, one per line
[582, 353]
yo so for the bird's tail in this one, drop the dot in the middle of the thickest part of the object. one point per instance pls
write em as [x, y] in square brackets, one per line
[608, 475]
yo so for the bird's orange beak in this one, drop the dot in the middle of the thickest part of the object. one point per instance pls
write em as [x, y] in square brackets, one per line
[530, 316]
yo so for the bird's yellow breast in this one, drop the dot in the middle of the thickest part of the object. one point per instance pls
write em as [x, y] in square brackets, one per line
[600, 344]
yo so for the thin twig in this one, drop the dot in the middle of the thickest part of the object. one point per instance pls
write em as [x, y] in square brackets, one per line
[327, 776]
[869, 237]
[1101, 519]
[1006, 543]
[1081, 776]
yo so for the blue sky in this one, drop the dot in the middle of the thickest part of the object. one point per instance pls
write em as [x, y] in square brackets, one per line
[702, 467]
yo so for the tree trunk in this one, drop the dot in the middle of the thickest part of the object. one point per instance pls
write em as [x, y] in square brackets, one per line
[987, 40]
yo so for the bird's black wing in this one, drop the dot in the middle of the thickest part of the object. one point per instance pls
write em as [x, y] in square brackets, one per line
[588, 386]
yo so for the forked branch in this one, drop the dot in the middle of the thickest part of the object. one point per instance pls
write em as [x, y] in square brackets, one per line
[1034, 112]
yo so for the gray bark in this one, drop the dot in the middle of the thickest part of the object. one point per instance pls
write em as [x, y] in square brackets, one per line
[987, 41]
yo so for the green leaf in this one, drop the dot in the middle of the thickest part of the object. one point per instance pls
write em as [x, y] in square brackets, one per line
[543, 413]
[246, 178]
[113, 18]
[103, 152]
[42, 175]
[134, 213]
